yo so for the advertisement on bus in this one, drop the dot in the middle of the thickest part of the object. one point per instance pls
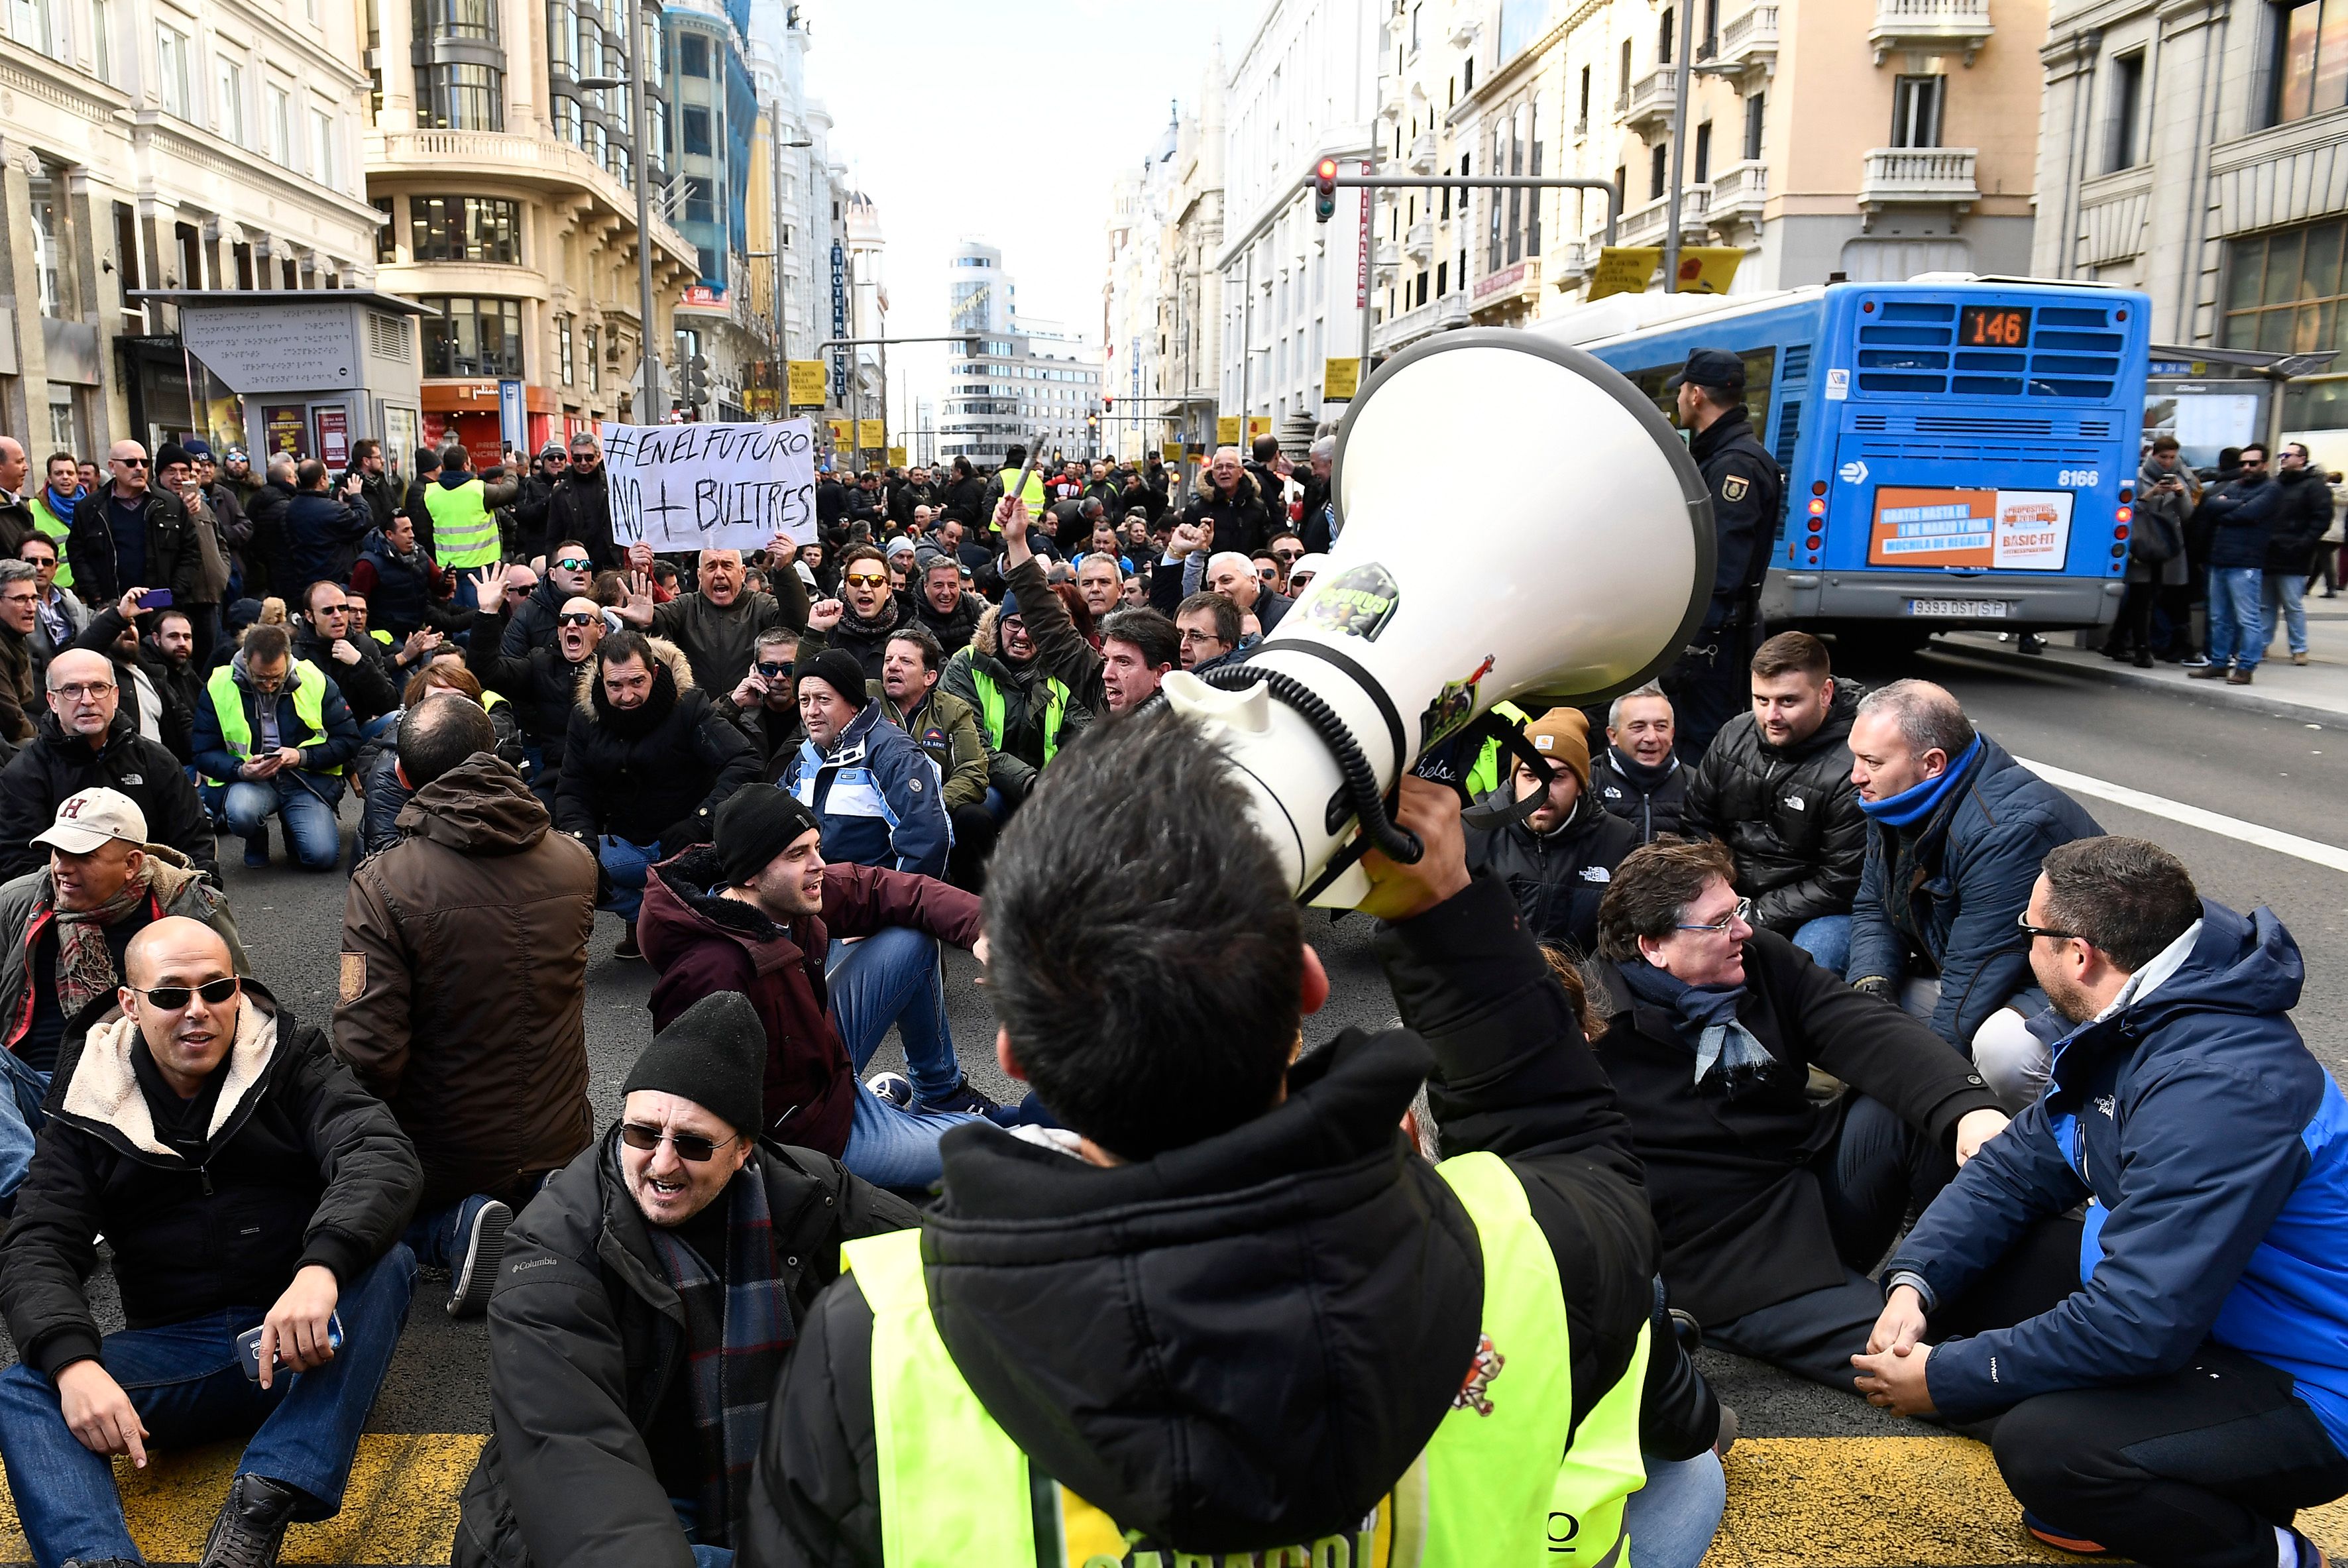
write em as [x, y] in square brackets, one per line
[1989, 530]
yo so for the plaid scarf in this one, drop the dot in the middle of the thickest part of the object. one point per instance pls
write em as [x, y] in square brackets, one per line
[737, 1331]
[85, 963]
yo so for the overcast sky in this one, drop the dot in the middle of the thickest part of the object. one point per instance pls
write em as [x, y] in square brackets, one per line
[1005, 123]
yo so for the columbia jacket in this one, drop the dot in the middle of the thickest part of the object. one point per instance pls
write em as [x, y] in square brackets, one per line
[174, 561]
[651, 775]
[304, 1167]
[464, 988]
[699, 943]
[1789, 816]
[586, 1339]
[877, 795]
[54, 766]
[1942, 897]
[2211, 1149]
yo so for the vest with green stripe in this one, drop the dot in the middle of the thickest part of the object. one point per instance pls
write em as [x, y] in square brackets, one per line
[54, 529]
[309, 711]
[991, 715]
[464, 530]
[1031, 492]
[1489, 1490]
[1486, 776]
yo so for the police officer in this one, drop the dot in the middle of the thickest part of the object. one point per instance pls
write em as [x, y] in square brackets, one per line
[1707, 686]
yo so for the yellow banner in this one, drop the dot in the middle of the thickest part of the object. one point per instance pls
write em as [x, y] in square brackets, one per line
[1171, 452]
[758, 399]
[1227, 430]
[896, 459]
[841, 434]
[806, 378]
[1708, 269]
[1624, 269]
[1340, 379]
[872, 433]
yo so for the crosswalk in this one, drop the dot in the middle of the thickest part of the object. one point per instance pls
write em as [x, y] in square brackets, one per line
[1793, 1503]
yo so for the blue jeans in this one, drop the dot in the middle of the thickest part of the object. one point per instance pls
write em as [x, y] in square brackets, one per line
[1672, 1518]
[306, 802]
[188, 1387]
[2237, 615]
[2287, 589]
[895, 976]
[625, 864]
[437, 1239]
[1827, 940]
[21, 1118]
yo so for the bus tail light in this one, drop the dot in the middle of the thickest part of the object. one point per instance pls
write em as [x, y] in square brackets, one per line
[2125, 514]
[2127, 493]
[2121, 532]
[1818, 507]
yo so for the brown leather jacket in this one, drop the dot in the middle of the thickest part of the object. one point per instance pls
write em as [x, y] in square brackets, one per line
[464, 977]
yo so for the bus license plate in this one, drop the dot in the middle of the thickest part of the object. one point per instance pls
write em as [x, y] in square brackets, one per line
[1986, 608]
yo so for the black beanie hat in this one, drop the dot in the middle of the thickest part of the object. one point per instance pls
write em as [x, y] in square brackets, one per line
[715, 1055]
[171, 452]
[840, 670]
[754, 825]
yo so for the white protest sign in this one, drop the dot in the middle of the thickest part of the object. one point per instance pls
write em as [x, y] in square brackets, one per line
[711, 486]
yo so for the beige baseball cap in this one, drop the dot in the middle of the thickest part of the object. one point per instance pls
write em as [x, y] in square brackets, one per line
[87, 820]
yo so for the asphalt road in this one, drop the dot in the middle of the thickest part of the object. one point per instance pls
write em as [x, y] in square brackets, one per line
[2275, 771]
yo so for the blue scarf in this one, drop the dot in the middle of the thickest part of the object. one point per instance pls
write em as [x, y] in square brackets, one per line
[61, 505]
[1911, 806]
[1704, 1018]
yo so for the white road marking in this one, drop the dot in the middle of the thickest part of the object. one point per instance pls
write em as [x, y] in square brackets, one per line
[2264, 838]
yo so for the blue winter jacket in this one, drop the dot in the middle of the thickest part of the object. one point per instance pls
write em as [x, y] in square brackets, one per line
[876, 797]
[2211, 1149]
[2244, 515]
[1950, 888]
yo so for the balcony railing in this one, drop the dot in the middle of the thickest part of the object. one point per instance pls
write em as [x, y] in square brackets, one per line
[1651, 97]
[1422, 153]
[1418, 240]
[1644, 224]
[1919, 176]
[1738, 191]
[1933, 26]
[1748, 41]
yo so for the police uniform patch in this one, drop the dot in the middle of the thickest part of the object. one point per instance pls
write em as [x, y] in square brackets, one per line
[1734, 487]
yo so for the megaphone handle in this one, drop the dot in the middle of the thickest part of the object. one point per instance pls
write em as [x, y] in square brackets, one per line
[1396, 842]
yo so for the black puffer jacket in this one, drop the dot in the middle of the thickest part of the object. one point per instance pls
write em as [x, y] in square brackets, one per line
[2303, 518]
[1242, 519]
[586, 1343]
[541, 683]
[1247, 1341]
[1652, 805]
[953, 628]
[1790, 818]
[654, 774]
[306, 1168]
[1558, 878]
[54, 766]
[580, 509]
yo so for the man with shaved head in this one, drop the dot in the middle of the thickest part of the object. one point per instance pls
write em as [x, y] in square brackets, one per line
[718, 624]
[541, 680]
[130, 531]
[1235, 577]
[17, 524]
[242, 1179]
[85, 741]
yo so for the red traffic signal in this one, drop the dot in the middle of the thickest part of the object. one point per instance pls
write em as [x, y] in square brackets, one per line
[1325, 189]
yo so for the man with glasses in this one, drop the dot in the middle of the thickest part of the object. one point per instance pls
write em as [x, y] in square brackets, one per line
[646, 1310]
[292, 1229]
[1771, 1207]
[61, 616]
[544, 681]
[326, 638]
[2303, 516]
[1207, 629]
[570, 574]
[1956, 831]
[276, 730]
[95, 882]
[580, 510]
[20, 618]
[764, 703]
[87, 741]
[2245, 509]
[128, 531]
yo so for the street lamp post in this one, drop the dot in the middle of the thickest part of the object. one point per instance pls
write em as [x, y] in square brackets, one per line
[640, 129]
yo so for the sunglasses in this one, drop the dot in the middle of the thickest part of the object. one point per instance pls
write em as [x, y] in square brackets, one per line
[1291, 556]
[692, 1147]
[1267, 572]
[2023, 921]
[774, 671]
[574, 563]
[127, 462]
[171, 998]
[576, 618]
[861, 581]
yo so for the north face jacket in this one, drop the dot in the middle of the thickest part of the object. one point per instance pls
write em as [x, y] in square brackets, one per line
[1789, 816]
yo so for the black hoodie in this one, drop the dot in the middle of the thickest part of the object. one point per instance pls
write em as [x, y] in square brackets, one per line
[1248, 1341]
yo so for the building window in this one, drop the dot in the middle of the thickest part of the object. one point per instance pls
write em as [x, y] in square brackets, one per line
[1703, 153]
[695, 132]
[1582, 123]
[53, 246]
[460, 97]
[230, 84]
[101, 37]
[469, 336]
[1659, 178]
[2127, 108]
[171, 62]
[1752, 108]
[1622, 101]
[692, 55]
[387, 244]
[1664, 55]
[31, 24]
[700, 201]
[191, 255]
[280, 126]
[594, 360]
[326, 168]
[2283, 291]
[566, 371]
[465, 229]
[2311, 68]
[474, 19]
[1916, 111]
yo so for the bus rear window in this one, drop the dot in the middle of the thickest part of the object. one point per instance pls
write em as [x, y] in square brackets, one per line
[1760, 377]
[1909, 348]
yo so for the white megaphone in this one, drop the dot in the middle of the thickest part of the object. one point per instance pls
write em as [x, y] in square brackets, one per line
[1604, 558]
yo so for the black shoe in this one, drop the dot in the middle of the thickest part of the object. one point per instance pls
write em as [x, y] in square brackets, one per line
[485, 1248]
[962, 1097]
[252, 1523]
[2030, 643]
[2143, 661]
[627, 947]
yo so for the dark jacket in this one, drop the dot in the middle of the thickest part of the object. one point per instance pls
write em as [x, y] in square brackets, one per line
[541, 683]
[698, 943]
[877, 796]
[17, 524]
[306, 1168]
[1251, 1338]
[533, 505]
[1652, 808]
[376, 498]
[1942, 897]
[332, 749]
[952, 629]
[580, 509]
[1743, 1219]
[2242, 514]
[270, 556]
[174, 561]
[1789, 816]
[399, 590]
[651, 775]
[464, 982]
[178, 687]
[55, 766]
[586, 1340]
[1241, 519]
[2304, 517]
[1059, 647]
[2215, 1149]
[947, 733]
[324, 533]
[1018, 751]
[367, 685]
[1558, 877]
[721, 641]
[535, 622]
[1747, 489]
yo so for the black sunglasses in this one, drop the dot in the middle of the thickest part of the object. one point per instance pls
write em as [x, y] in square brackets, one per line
[776, 672]
[574, 563]
[171, 998]
[2023, 921]
[576, 619]
[129, 462]
[692, 1148]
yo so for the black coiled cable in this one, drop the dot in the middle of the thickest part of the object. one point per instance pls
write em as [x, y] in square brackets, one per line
[1396, 842]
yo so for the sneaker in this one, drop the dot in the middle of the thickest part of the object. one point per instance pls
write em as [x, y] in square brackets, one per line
[2142, 661]
[2195, 661]
[2061, 1540]
[2238, 676]
[252, 1523]
[2030, 643]
[894, 1088]
[485, 1248]
[2205, 671]
[626, 946]
[2299, 658]
[961, 1097]
[256, 853]
[1726, 1438]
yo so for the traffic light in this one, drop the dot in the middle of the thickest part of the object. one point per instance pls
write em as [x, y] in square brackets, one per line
[692, 384]
[1325, 189]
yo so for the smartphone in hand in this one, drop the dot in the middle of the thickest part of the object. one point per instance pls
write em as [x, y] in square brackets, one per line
[158, 599]
[248, 1346]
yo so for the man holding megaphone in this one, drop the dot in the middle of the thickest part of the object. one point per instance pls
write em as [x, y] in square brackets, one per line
[1246, 1315]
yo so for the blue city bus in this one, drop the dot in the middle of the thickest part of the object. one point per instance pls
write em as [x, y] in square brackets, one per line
[1958, 451]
